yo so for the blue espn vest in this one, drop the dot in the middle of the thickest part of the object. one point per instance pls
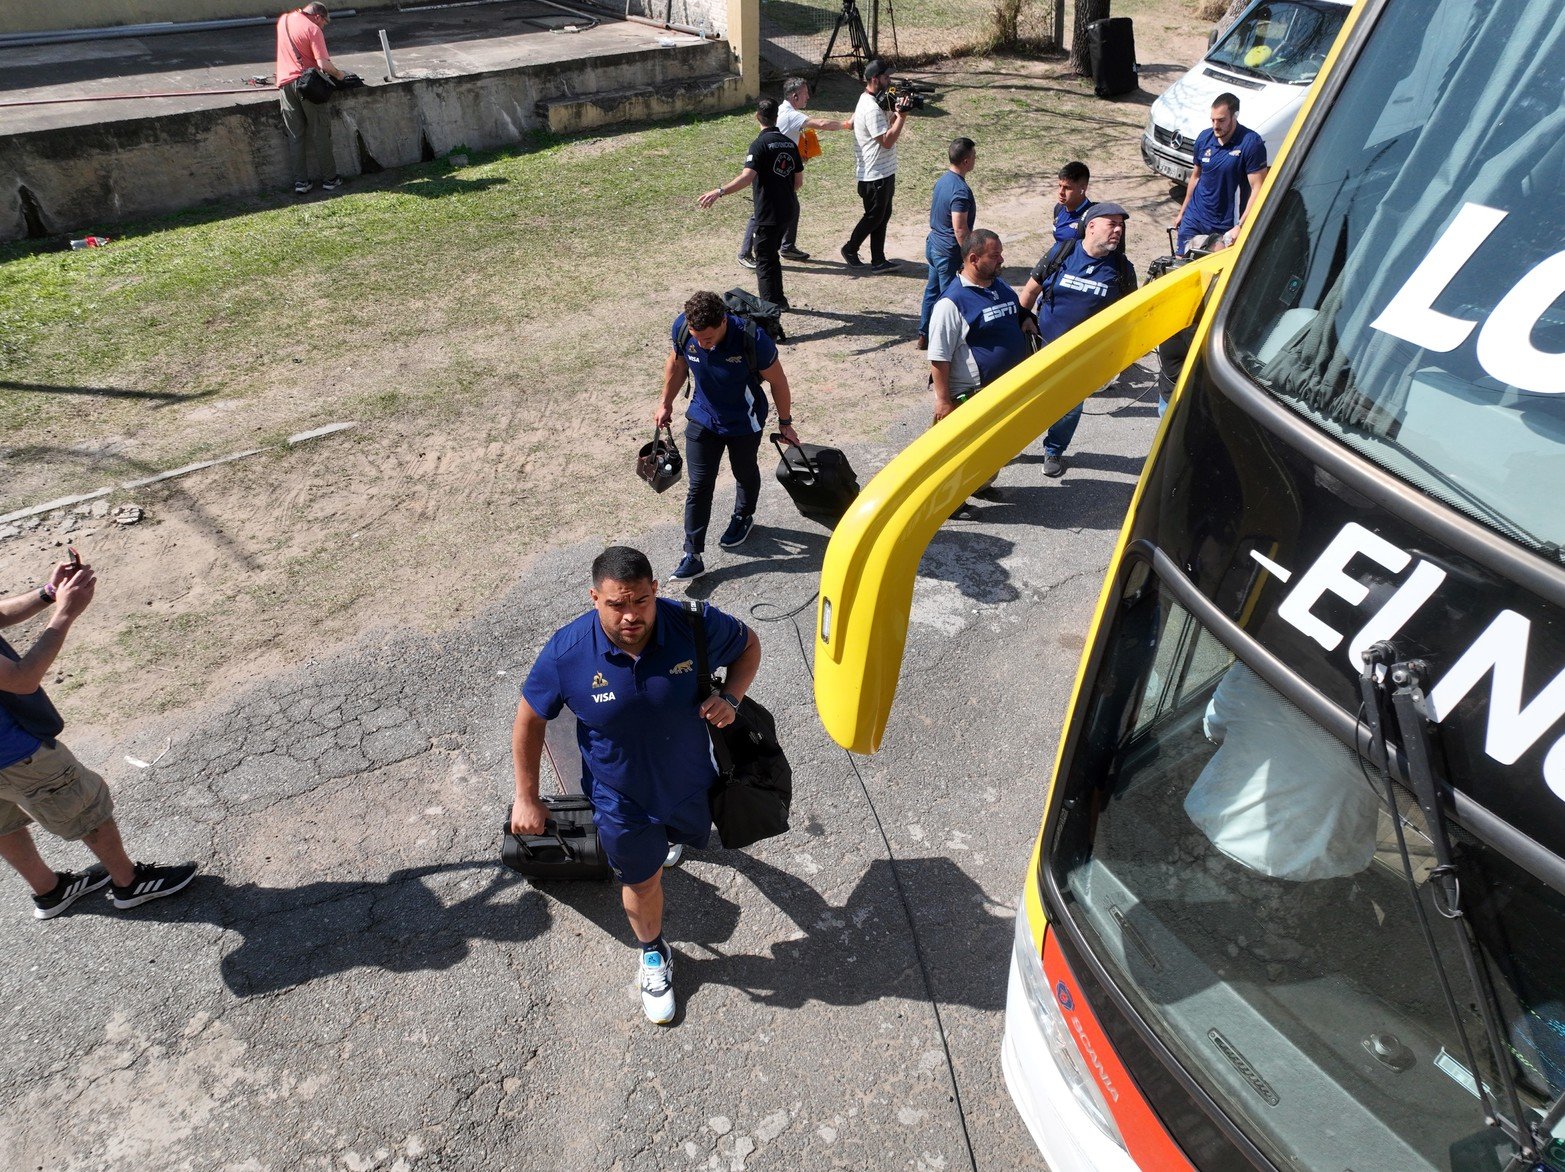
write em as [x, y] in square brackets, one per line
[994, 326]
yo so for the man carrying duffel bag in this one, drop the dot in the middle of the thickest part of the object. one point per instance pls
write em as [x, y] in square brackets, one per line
[627, 670]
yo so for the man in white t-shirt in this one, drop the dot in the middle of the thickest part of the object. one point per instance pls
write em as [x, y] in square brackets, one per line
[792, 121]
[875, 140]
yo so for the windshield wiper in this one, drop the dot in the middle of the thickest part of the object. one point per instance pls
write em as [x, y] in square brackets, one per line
[1405, 681]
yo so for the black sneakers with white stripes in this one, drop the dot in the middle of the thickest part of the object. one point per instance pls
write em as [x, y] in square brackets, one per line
[152, 881]
[72, 886]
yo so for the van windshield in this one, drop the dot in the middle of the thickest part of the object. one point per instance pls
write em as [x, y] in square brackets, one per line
[1281, 40]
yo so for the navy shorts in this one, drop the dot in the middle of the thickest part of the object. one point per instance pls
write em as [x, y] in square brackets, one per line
[636, 843]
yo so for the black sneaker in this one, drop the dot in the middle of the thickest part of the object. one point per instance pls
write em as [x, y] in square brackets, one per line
[71, 887]
[738, 529]
[302, 188]
[794, 254]
[747, 260]
[884, 266]
[152, 881]
[331, 184]
[690, 566]
[851, 259]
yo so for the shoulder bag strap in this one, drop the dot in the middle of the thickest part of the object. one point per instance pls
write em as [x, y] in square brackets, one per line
[288, 36]
[704, 688]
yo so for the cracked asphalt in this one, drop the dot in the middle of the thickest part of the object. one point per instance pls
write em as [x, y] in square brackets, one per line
[354, 982]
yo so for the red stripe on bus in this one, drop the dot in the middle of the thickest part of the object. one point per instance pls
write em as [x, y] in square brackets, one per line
[1146, 1140]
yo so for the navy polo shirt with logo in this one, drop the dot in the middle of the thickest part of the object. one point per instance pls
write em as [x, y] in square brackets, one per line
[636, 720]
[727, 398]
[1223, 190]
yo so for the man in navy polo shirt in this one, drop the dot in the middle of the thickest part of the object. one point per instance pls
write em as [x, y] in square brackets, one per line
[1230, 163]
[725, 360]
[952, 213]
[1070, 283]
[627, 670]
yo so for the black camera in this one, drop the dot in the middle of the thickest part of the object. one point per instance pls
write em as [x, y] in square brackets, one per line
[900, 92]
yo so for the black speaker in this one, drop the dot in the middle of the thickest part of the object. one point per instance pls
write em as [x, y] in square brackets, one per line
[1111, 51]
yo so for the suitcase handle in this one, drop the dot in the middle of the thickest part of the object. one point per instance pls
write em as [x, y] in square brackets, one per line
[551, 829]
[777, 441]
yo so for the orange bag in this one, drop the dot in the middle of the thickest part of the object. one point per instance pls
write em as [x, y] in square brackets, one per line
[809, 145]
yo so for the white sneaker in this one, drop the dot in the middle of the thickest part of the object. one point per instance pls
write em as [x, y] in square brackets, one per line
[675, 856]
[657, 987]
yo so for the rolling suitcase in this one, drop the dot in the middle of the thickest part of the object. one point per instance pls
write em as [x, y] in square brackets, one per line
[569, 847]
[1111, 51]
[820, 480]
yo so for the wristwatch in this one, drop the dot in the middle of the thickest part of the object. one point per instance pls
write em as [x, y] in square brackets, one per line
[729, 696]
[785, 421]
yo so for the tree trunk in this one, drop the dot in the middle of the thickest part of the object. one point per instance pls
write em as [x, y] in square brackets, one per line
[1087, 11]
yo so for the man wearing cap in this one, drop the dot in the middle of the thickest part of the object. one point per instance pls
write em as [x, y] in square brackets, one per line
[301, 45]
[626, 669]
[1071, 282]
[875, 165]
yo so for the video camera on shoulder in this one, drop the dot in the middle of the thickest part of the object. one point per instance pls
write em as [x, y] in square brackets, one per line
[901, 93]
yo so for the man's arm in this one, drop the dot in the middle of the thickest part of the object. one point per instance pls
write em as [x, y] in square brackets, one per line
[1256, 179]
[737, 183]
[317, 42]
[72, 596]
[1030, 293]
[829, 123]
[893, 132]
[782, 395]
[527, 812]
[961, 225]
[675, 371]
[736, 682]
[940, 376]
[1195, 177]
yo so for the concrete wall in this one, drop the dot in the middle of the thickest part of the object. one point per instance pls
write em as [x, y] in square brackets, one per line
[32, 16]
[690, 12]
[54, 182]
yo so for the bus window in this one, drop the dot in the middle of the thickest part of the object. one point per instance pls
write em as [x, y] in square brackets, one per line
[1420, 318]
[1259, 914]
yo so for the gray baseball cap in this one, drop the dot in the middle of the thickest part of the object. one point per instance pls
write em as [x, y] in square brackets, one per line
[875, 68]
[1103, 209]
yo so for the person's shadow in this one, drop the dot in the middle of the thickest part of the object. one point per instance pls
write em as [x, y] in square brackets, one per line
[852, 954]
[294, 935]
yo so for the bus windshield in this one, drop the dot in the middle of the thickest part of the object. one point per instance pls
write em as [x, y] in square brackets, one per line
[1236, 868]
[1406, 295]
[1284, 41]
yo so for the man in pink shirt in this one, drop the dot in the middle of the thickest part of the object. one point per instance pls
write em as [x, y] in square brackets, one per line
[301, 45]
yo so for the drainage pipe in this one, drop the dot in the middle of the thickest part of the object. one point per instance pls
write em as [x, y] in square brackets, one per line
[254, 89]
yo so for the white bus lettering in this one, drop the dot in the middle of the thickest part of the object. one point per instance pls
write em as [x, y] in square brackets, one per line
[1505, 348]
[1401, 606]
[1502, 649]
[1327, 575]
[1410, 316]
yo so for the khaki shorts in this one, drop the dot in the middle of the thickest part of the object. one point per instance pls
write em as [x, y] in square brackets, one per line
[55, 790]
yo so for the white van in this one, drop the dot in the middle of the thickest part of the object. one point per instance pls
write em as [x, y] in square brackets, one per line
[1267, 59]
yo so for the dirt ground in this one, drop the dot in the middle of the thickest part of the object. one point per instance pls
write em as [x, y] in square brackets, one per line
[424, 514]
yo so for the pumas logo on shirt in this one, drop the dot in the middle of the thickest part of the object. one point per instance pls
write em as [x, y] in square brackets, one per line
[682, 667]
[736, 358]
[598, 681]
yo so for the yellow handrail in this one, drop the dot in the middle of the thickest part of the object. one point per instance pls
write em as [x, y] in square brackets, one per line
[867, 579]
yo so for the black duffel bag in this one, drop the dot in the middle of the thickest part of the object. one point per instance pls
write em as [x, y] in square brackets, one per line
[754, 788]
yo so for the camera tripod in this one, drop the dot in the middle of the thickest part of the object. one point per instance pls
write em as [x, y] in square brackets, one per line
[862, 46]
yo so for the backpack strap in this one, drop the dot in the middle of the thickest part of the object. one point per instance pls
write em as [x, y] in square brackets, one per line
[704, 685]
